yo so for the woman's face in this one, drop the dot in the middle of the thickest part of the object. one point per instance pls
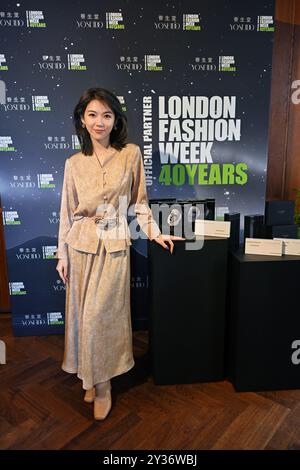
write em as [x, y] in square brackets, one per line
[99, 121]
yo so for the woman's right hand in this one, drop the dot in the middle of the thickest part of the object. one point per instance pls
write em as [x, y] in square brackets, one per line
[62, 268]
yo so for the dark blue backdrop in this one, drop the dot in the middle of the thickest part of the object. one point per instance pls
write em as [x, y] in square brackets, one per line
[138, 49]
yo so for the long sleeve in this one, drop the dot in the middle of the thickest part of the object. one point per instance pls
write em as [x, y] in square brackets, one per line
[68, 204]
[140, 201]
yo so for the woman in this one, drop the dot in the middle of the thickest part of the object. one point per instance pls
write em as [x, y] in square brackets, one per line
[93, 245]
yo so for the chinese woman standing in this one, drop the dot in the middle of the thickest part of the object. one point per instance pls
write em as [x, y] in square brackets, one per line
[94, 245]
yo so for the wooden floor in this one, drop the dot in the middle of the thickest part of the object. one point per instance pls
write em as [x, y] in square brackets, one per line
[42, 407]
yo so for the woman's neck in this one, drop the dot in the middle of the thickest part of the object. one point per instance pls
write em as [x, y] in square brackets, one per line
[100, 147]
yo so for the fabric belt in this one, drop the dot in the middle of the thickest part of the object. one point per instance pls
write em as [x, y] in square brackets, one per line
[104, 222]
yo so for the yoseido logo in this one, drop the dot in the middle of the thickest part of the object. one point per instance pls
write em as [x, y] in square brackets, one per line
[247, 23]
[167, 22]
[16, 104]
[59, 286]
[204, 64]
[28, 254]
[129, 64]
[50, 62]
[242, 23]
[11, 22]
[89, 20]
[44, 181]
[23, 182]
[33, 320]
[61, 143]
[92, 20]
[54, 219]
[56, 143]
[11, 19]
[34, 19]
[73, 62]
[296, 354]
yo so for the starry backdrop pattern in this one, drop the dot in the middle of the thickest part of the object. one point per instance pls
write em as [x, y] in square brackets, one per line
[37, 66]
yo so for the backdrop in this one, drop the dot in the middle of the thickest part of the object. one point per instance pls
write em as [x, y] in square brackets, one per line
[194, 79]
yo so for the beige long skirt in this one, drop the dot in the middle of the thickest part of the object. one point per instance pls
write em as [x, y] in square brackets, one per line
[98, 332]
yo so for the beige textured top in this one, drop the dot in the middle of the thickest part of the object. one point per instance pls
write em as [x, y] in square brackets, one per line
[91, 191]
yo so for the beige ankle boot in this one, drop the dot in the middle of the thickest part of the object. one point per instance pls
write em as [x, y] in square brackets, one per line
[90, 395]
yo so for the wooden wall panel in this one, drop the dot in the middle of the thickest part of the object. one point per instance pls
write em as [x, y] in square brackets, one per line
[280, 92]
[284, 145]
[292, 177]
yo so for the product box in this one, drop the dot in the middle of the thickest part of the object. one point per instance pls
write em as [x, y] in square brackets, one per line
[290, 246]
[263, 246]
[212, 228]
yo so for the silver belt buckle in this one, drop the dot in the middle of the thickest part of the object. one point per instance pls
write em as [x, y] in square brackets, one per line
[98, 219]
[111, 223]
[104, 224]
[107, 223]
[115, 221]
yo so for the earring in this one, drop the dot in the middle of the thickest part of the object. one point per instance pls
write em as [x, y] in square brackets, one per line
[115, 128]
[83, 125]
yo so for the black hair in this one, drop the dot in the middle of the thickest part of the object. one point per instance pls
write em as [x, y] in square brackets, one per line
[119, 132]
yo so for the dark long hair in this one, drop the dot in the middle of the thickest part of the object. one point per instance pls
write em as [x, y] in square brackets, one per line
[118, 136]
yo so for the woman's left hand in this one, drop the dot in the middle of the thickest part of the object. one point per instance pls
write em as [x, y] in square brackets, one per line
[165, 240]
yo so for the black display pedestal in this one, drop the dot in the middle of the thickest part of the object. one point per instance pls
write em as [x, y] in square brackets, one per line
[263, 322]
[187, 312]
